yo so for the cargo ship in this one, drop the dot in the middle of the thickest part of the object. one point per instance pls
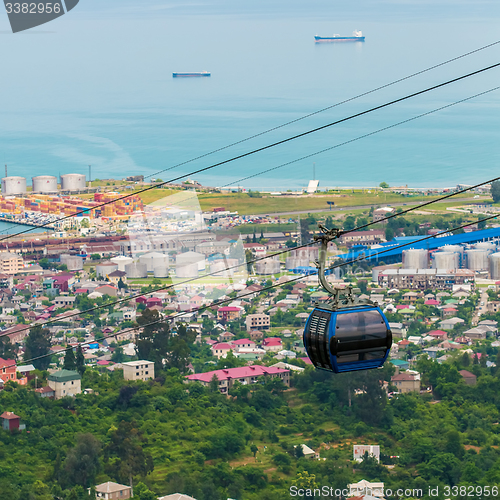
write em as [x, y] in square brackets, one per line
[200, 73]
[357, 36]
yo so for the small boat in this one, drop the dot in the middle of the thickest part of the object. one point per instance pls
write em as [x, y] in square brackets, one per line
[195, 74]
[357, 36]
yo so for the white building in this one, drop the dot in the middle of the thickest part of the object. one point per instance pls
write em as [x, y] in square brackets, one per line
[138, 370]
[359, 451]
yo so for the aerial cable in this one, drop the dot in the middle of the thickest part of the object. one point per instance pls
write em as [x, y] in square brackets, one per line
[292, 280]
[173, 285]
[264, 148]
[325, 109]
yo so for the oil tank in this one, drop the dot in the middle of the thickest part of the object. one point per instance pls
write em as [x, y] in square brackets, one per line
[268, 266]
[73, 262]
[161, 272]
[293, 262]
[44, 184]
[309, 253]
[13, 185]
[486, 245]
[477, 259]
[495, 266]
[105, 268]
[454, 248]
[220, 268]
[415, 258]
[136, 270]
[121, 261]
[73, 182]
[152, 260]
[191, 258]
[189, 270]
[446, 260]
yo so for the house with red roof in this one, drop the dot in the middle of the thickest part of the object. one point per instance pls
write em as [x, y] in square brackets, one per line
[406, 381]
[273, 344]
[432, 302]
[438, 334]
[469, 378]
[245, 375]
[221, 349]
[241, 343]
[10, 421]
[403, 344]
[8, 370]
[228, 313]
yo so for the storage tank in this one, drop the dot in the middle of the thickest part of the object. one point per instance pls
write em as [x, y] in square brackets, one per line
[105, 268]
[454, 248]
[152, 260]
[309, 253]
[222, 268]
[136, 270]
[73, 182]
[477, 259]
[190, 258]
[121, 261]
[73, 262]
[189, 270]
[44, 184]
[13, 185]
[446, 260]
[161, 272]
[267, 266]
[486, 245]
[293, 262]
[415, 258]
[495, 266]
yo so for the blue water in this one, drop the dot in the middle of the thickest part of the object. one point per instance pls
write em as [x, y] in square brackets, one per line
[9, 228]
[95, 87]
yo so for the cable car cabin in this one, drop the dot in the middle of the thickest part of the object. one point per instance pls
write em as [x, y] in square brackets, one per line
[347, 339]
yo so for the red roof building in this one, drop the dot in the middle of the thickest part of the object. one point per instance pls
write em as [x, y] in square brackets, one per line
[228, 313]
[438, 334]
[8, 370]
[10, 421]
[245, 375]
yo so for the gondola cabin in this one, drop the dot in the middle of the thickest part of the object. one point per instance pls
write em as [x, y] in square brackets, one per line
[350, 338]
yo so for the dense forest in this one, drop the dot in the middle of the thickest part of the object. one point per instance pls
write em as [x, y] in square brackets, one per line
[167, 436]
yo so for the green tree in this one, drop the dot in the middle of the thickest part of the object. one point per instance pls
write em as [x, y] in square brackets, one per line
[118, 356]
[495, 191]
[95, 256]
[349, 223]
[69, 359]
[153, 341]
[142, 492]
[254, 450]
[180, 348]
[80, 360]
[384, 185]
[124, 454]
[7, 350]
[82, 462]
[37, 347]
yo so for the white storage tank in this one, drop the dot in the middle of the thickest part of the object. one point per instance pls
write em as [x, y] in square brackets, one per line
[13, 185]
[307, 253]
[44, 184]
[220, 268]
[268, 266]
[73, 182]
[105, 268]
[486, 245]
[293, 262]
[161, 272]
[415, 258]
[495, 266]
[446, 260]
[187, 270]
[73, 262]
[477, 259]
[121, 261]
[152, 260]
[136, 270]
[191, 258]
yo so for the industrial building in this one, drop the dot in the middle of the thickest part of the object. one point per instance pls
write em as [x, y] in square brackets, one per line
[13, 185]
[423, 279]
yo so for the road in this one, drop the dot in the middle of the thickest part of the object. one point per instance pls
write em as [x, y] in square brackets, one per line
[345, 209]
[480, 309]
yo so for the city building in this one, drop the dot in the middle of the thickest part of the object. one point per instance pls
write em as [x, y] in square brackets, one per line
[246, 375]
[113, 491]
[11, 422]
[423, 279]
[138, 370]
[406, 381]
[382, 213]
[258, 322]
[10, 263]
[359, 451]
[65, 383]
[364, 487]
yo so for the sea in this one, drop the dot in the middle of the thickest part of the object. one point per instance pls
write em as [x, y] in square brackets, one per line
[95, 88]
